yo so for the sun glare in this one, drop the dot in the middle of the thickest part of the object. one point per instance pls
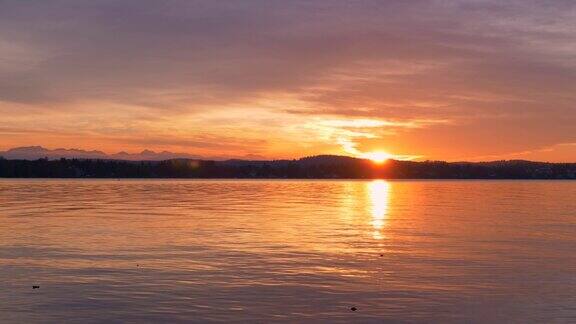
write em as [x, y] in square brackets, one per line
[377, 157]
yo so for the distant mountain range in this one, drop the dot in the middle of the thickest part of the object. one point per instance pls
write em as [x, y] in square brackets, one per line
[39, 152]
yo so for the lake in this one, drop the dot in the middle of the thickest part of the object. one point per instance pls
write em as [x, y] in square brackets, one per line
[287, 251]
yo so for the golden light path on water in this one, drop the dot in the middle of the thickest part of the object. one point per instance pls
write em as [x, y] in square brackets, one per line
[379, 195]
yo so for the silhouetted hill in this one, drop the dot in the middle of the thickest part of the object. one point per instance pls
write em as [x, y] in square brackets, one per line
[327, 159]
[314, 167]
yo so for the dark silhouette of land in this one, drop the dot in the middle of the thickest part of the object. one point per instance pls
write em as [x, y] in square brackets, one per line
[316, 167]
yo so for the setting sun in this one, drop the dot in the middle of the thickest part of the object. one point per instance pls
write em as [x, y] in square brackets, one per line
[377, 157]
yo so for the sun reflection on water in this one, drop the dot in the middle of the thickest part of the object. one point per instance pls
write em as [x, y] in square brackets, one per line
[379, 192]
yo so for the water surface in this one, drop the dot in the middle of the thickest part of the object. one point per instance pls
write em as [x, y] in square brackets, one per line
[296, 251]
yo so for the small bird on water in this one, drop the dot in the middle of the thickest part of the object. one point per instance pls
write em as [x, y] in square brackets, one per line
[35, 287]
[353, 309]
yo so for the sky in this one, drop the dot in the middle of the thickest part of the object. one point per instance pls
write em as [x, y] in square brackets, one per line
[439, 80]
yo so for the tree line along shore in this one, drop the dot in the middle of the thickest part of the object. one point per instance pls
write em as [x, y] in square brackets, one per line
[316, 167]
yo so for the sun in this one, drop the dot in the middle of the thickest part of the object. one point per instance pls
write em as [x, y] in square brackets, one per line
[377, 156]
